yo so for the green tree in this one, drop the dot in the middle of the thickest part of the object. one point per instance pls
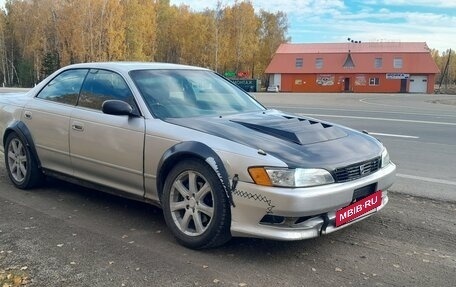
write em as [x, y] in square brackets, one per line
[50, 64]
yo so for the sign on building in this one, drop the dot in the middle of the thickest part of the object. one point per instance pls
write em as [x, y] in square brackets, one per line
[247, 85]
[397, 76]
[325, 80]
[230, 74]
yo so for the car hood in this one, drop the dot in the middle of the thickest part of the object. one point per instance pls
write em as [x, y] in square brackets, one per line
[298, 141]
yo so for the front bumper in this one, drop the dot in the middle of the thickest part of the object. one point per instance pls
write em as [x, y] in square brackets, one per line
[308, 212]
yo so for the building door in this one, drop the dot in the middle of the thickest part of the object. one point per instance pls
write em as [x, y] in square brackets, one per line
[346, 84]
[403, 86]
[418, 84]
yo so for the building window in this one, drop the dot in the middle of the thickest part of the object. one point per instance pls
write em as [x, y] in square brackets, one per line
[349, 64]
[397, 63]
[378, 63]
[299, 63]
[319, 63]
[374, 81]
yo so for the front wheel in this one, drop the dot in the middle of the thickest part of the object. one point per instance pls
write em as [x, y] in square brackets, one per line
[21, 166]
[195, 206]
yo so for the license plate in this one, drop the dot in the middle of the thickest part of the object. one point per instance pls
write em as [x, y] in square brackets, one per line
[357, 209]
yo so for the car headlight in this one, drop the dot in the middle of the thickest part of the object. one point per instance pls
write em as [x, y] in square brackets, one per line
[385, 158]
[299, 177]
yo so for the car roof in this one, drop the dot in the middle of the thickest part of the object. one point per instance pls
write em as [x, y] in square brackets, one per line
[126, 67]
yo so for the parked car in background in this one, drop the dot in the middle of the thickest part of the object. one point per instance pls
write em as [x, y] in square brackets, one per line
[217, 162]
[274, 89]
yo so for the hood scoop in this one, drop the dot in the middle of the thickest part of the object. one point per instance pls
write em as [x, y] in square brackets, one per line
[294, 129]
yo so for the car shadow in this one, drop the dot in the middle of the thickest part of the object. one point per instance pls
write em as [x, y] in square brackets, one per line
[149, 220]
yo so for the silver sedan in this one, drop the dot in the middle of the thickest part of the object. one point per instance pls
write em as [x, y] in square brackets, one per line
[184, 138]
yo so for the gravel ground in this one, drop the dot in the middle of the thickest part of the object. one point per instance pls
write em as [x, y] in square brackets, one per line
[64, 235]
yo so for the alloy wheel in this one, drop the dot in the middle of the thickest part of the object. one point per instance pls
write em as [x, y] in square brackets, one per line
[191, 203]
[17, 160]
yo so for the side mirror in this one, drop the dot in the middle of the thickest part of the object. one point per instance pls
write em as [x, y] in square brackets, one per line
[117, 108]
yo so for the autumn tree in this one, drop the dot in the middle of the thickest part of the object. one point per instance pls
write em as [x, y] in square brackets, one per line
[166, 50]
[238, 37]
[271, 34]
[140, 29]
[39, 36]
[27, 24]
[4, 65]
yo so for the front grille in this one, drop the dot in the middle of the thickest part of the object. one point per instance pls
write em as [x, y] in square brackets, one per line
[357, 170]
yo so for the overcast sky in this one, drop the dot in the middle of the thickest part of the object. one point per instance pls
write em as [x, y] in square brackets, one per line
[322, 21]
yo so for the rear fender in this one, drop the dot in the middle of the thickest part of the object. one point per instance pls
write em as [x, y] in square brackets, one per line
[23, 132]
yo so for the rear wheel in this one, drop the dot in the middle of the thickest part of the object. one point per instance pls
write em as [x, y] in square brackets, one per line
[20, 164]
[195, 206]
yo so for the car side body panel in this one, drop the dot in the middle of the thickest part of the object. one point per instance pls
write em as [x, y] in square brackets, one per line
[162, 136]
[108, 149]
[49, 123]
[11, 106]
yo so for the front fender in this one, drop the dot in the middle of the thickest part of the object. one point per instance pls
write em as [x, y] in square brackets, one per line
[198, 150]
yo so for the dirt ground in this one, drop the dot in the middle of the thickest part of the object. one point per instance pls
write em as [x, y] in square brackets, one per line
[63, 235]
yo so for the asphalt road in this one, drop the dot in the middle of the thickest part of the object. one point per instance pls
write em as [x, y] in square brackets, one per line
[418, 130]
[65, 235]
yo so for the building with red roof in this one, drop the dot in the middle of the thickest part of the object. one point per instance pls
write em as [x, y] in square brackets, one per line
[369, 67]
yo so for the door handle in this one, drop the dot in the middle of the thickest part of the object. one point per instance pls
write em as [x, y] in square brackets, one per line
[28, 115]
[77, 127]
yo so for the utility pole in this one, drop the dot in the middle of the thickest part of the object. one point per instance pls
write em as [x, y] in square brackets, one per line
[445, 73]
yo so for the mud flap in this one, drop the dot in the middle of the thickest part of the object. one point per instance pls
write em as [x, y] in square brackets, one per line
[325, 223]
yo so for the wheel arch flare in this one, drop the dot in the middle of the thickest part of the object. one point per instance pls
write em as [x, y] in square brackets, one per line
[23, 132]
[194, 149]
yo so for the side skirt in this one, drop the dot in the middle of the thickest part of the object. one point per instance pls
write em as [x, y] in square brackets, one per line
[99, 187]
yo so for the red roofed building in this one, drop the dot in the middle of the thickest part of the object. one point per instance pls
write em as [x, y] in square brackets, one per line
[376, 67]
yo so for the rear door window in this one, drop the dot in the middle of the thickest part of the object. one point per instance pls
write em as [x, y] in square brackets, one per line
[65, 87]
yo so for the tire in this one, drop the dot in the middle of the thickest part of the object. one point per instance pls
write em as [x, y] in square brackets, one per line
[195, 206]
[20, 164]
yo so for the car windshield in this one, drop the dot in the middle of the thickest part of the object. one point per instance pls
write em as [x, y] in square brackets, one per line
[191, 93]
